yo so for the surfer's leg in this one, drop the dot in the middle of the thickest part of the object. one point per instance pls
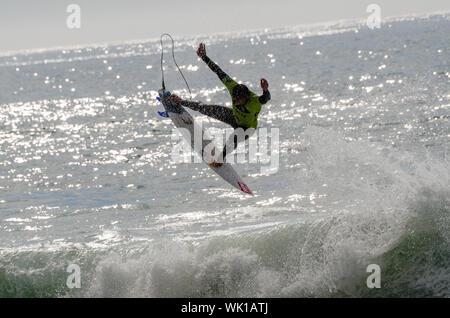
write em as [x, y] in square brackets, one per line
[222, 113]
[230, 147]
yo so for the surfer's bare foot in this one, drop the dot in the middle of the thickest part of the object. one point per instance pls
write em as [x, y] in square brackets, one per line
[174, 98]
[215, 164]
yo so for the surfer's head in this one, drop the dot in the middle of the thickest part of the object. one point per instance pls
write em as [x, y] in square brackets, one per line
[240, 94]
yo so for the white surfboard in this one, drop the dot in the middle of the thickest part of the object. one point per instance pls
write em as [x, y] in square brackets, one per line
[182, 119]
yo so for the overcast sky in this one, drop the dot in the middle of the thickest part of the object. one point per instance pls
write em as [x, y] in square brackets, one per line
[26, 24]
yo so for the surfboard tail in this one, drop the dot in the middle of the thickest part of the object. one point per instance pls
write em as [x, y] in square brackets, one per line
[244, 187]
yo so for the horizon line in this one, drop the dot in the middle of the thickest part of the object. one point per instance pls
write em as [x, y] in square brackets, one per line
[255, 31]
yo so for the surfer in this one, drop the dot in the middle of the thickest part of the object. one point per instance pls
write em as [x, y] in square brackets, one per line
[246, 104]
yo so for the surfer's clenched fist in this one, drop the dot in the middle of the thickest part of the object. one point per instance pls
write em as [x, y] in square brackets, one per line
[264, 84]
[201, 52]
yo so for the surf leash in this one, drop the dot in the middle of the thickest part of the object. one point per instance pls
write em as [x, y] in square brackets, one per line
[174, 60]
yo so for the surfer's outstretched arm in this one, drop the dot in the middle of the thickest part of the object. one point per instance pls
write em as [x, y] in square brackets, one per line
[224, 78]
[201, 52]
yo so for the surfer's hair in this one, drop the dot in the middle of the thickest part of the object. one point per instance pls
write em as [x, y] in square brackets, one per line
[240, 90]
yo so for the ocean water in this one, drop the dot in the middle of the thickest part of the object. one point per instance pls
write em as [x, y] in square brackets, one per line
[86, 175]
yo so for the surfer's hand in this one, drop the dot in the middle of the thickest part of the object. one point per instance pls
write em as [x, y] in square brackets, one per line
[264, 84]
[176, 99]
[201, 52]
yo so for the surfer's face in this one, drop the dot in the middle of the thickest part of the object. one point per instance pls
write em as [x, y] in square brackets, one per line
[240, 101]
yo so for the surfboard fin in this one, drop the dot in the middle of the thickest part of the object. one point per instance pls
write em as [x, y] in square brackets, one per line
[244, 188]
[164, 114]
